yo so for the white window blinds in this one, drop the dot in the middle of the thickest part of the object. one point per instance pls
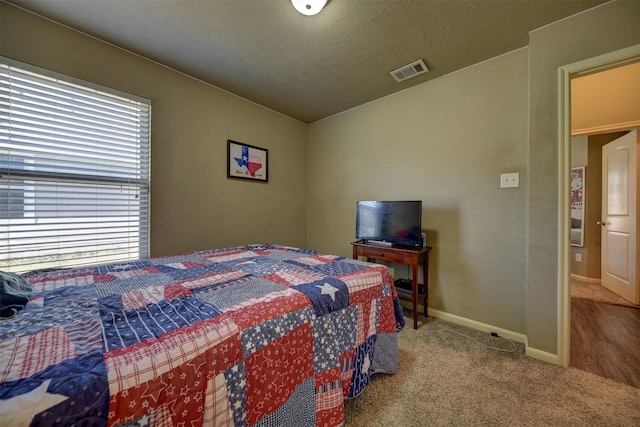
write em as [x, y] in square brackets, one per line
[74, 171]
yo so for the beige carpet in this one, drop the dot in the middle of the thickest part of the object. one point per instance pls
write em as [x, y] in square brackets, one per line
[596, 292]
[446, 379]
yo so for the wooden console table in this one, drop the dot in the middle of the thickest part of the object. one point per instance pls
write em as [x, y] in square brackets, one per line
[401, 255]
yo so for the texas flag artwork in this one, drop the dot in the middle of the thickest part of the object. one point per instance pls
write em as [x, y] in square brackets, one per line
[246, 161]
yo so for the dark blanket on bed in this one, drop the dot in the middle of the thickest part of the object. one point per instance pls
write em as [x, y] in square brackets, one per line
[14, 294]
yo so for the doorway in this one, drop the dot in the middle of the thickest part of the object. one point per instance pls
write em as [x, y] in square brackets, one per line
[601, 63]
[586, 210]
[604, 326]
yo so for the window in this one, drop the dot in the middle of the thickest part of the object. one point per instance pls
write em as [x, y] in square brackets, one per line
[74, 171]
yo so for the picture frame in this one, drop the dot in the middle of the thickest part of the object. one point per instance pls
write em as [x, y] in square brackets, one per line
[246, 161]
[577, 205]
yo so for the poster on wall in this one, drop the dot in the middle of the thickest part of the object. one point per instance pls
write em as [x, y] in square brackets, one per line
[577, 206]
[247, 162]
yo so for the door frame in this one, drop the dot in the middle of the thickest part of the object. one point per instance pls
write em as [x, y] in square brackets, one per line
[587, 66]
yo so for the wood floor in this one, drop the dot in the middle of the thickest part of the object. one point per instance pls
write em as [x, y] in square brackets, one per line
[605, 340]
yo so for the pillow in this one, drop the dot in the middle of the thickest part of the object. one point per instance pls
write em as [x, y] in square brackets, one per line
[14, 294]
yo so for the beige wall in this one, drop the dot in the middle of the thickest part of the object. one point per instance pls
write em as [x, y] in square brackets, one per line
[193, 204]
[607, 28]
[445, 143]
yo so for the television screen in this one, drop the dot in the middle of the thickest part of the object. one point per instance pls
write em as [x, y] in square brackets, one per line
[395, 222]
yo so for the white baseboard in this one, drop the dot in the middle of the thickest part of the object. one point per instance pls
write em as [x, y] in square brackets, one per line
[514, 336]
[585, 279]
[543, 355]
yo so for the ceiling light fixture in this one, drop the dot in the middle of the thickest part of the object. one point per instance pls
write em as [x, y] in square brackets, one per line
[308, 7]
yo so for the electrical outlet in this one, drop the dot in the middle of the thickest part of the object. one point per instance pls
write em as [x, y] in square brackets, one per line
[578, 257]
[510, 180]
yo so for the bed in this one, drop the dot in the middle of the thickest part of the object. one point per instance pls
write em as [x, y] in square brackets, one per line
[255, 335]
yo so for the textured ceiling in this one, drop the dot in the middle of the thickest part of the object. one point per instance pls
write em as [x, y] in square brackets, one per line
[312, 67]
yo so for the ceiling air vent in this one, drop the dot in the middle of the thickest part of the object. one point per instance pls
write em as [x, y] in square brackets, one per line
[414, 69]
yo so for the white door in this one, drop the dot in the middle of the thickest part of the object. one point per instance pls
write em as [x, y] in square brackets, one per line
[619, 216]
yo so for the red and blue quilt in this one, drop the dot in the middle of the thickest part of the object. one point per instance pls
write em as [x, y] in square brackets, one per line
[256, 335]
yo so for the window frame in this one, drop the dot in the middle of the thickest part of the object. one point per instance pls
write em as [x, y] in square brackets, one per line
[108, 178]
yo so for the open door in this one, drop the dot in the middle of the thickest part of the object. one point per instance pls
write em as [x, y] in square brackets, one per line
[619, 217]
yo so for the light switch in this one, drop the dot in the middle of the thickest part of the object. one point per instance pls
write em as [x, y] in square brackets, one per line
[510, 180]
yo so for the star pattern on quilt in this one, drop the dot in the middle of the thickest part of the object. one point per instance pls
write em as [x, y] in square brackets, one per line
[317, 292]
[362, 374]
[258, 336]
[237, 389]
[28, 405]
[327, 289]
[333, 334]
[366, 364]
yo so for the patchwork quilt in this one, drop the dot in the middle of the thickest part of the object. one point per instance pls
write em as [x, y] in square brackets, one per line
[260, 335]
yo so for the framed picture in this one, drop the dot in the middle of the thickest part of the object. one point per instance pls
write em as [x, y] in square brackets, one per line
[245, 161]
[577, 206]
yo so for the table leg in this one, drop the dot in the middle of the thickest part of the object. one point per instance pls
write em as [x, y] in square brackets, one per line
[425, 280]
[414, 289]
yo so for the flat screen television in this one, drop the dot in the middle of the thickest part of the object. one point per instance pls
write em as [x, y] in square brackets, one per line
[390, 222]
